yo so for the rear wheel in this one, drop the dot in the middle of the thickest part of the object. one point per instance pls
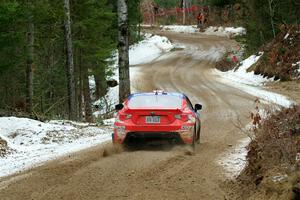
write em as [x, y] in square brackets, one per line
[194, 140]
[198, 136]
[112, 138]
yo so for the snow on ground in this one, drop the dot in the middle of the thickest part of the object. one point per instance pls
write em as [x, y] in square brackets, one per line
[147, 50]
[33, 142]
[211, 30]
[180, 28]
[211, 54]
[240, 74]
[249, 82]
[234, 160]
[225, 32]
[297, 64]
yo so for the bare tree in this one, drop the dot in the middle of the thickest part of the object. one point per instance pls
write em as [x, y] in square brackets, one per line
[70, 62]
[29, 61]
[124, 79]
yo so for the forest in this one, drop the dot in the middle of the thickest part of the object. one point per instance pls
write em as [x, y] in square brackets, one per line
[34, 76]
[34, 41]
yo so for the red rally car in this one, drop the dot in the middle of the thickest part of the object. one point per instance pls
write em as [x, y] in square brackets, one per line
[157, 116]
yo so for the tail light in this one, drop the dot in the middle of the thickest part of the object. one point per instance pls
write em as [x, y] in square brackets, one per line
[121, 118]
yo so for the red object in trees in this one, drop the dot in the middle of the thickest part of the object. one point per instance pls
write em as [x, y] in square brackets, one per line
[235, 59]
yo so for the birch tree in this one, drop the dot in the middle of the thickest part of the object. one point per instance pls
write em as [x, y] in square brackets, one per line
[70, 62]
[123, 47]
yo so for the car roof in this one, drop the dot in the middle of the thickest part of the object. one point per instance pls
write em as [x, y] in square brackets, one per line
[156, 93]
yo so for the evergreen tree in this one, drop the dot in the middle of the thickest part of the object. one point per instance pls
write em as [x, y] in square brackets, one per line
[43, 56]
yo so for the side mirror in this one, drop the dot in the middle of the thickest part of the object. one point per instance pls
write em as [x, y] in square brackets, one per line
[119, 106]
[198, 107]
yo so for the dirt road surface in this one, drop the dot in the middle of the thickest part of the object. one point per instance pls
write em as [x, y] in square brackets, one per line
[153, 173]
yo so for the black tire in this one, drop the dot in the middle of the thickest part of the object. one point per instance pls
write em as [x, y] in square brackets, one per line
[193, 145]
[112, 138]
[199, 134]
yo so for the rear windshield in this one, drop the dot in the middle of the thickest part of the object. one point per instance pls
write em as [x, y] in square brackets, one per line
[155, 101]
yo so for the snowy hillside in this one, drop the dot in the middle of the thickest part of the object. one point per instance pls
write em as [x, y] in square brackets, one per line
[252, 83]
[30, 142]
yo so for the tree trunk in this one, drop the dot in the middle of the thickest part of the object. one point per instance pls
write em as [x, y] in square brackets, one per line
[87, 96]
[29, 64]
[184, 13]
[80, 89]
[124, 79]
[70, 62]
[271, 9]
[101, 84]
[97, 87]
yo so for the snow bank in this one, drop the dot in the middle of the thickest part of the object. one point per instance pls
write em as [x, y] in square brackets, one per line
[34, 142]
[149, 49]
[180, 29]
[249, 82]
[211, 30]
[240, 74]
[225, 32]
[234, 160]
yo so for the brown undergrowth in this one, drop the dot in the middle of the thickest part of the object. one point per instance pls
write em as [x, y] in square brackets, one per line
[273, 170]
[281, 56]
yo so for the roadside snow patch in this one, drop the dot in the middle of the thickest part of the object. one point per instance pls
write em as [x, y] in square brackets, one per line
[180, 29]
[240, 74]
[211, 30]
[149, 49]
[234, 161]
[33, 142]
[225, 32]
[249, 82]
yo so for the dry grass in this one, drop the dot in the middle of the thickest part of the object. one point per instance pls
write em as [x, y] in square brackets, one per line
[226, 63]
[274, 157]
[4, 148]
[287, 88]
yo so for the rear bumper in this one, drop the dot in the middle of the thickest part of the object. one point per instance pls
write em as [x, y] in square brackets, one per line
[182, 134]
